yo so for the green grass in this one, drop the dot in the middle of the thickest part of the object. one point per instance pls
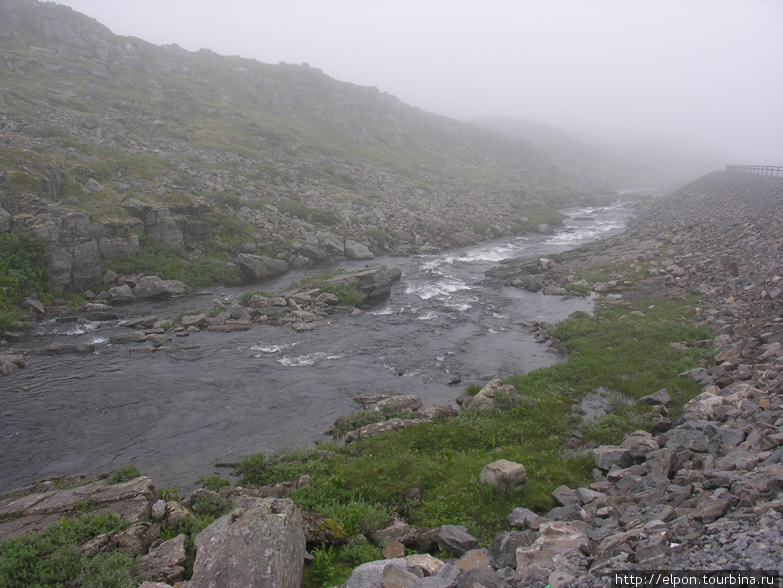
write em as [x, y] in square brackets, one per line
[360, 418]
[428, 474]
[23, 269]
[245, 297]
[52, 558]
[166, 264]
[124, 474]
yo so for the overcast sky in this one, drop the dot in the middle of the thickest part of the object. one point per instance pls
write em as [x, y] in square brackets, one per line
[708, 71]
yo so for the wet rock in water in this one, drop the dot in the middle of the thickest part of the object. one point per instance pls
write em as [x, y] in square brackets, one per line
[132, 337]
[11, 362]
[373, 284]
[403, 402]
[371, 398]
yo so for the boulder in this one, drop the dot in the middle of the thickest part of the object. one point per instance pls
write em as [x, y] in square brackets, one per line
[161, 229]
[504, 474]
[374, 283]
[456, 539]
[493, 396]
[370, 574]
[565, 496]
[9, 363]
[378, 428]
[607, 456]
[155, 287]
[165, 562]
[260, 543]
[661, 397]
[402, 402]
[259, 267]
[330, 243]
[555, 538]
[524, 518]
[121, 294]
[356, 250]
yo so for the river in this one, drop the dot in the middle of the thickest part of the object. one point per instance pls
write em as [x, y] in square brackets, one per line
[212, 397]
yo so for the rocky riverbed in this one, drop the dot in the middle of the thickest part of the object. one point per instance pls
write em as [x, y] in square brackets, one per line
[701, 492]
[176, 384]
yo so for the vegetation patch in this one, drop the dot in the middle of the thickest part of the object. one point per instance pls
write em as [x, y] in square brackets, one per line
[125, 474]
[360, 418]
[165, 263]
[530, 219]
[52, 557]
[23, 270]
[428, 474]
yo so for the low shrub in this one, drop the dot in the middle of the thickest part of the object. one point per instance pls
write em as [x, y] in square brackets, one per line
[23, 270]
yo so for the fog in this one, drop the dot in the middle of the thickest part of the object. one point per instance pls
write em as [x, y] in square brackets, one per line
[692, 75]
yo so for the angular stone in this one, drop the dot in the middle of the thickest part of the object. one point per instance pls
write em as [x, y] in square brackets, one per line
[523, 518]
[379, 428]
[374, 283]
[260, 543]
[155, 287]
[607, 456]
[402, 402]
[367, 575]
[456, 539]
[555, 538]
[491, 395]
[259, 267]
[504, 474]
[661, 397]
[396, 576]
[565, 496]
[356, 250]
[165, 562]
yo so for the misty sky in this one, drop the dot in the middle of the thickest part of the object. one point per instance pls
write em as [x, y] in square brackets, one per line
[705, 70]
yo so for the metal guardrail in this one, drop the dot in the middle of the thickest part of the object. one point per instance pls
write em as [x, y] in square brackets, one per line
[759, 170]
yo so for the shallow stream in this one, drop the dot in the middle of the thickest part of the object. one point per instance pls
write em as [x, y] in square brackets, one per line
[216, 396]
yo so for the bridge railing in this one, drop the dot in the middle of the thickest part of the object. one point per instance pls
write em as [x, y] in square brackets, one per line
[759, 170]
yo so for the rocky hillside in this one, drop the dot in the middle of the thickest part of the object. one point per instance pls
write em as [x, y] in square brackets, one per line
[112, 144]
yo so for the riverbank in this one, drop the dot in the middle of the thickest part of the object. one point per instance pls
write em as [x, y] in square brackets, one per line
[698, 490]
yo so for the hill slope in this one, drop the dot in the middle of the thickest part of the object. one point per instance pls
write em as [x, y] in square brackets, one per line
[112, 144]
[578, 157]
